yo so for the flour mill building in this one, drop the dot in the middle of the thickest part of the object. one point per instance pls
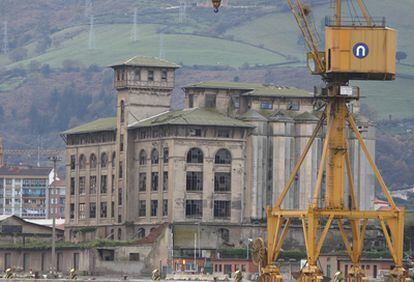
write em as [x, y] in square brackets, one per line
[209, 168]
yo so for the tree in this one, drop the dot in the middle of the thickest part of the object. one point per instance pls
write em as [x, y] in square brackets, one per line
[45, 69]
[401, 56]
[18, 54]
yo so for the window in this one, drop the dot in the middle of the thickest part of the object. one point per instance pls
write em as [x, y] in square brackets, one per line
[195, 156]
[142, 208]
[164, 75]
[92, 210]
[121, 142]
[266, 105]
[195, 132]
[141, 233]
[92, 185]
[154, 181]
[120, 196]
[72, 211]
[92, 162]
[142, 182]
[154, 207]
[122, 114]
[104, 184]
[193, 208]
[194, 181]
[104, 210]
[165, 155]
[222, 209]
[224, 234]
[165, 208]
[150, 75]
[82, 162]
[113, 159]
[82, 185]
[210, 101]
[112, 209]
[165, 181]
[120, 170]
[137, 74]
[119, 232]
[293, 106]
[191, 101]
[142, 157]
[236, 102]
[223, 156]
[104, 160]
[113, 183]
[72, 162]
[133, 256]
[154, 157]
[72, 185]
[223, 133]
[82, 212]
[222, 182]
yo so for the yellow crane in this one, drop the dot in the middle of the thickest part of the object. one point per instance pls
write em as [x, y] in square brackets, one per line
[360, 48]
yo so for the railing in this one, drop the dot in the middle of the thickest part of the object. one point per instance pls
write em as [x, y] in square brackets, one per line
[356, 21]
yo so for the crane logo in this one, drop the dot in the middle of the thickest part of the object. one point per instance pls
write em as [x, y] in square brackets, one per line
[361, 50]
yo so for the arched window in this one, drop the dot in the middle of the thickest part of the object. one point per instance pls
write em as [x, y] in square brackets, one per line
[113, 159]
[82, 161]
[224, 234]
[141, 233]
[92, 161]
[143, 157]
[104, 160]
[223, 156]
[195, 156]
[155, 157]
[122, 106]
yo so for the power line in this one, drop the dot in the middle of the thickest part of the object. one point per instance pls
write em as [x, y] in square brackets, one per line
[91, 42]
[134, 31]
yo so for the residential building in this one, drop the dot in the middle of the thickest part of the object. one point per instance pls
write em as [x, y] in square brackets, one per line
[209, 169]
[24, 191]
[56, 202]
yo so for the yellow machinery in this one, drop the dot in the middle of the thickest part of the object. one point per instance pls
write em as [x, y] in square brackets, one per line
[361, 48]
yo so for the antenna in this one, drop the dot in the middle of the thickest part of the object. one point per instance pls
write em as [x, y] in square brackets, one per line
[162, 52]
[91, 43]
[134, 31]
[183, 12]
[5, 47]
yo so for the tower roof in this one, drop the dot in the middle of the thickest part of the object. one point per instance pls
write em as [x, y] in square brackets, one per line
[144, 61]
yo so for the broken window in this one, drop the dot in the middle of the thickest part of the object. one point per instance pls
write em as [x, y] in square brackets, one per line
[142, 208]
[194, 181]
[72, 162]
[222, 182]
[222, 209]
[82, 161]
[113, 159]
[154, 157]
[191, 101]
[104, 184]
[154, 207]
[113, 183]
[154, 181]
[293, 106]
[224, 234]
[92, 210]
[223, 156]
[104, 210]
[165, 208]
[164, 75]
[165, 155]
[210, 101]
[165, 181]
[195, 132]
[142, 157]
[120, 196]
[92, 185]
[112, 209]
[104, 160]
[72, 211]
[137, 74]
[92, 161]
[121, 142]
[195, 156]
[122, 114]
[236, 102]
[134, 256]
[193, 208]
[82, 212]
[142, 186]
[223, 133]
[82, 185]
[141, 233]
[150, 75]
[121, 172]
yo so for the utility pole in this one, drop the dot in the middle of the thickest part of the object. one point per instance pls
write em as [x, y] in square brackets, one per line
[54, 159]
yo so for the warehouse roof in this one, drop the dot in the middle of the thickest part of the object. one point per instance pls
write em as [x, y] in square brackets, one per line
[194, 116]
[144, 61]
[254, 89]
[102, 124]
[24, 171]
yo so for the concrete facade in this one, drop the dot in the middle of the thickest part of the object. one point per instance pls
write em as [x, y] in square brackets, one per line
[216, 164]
